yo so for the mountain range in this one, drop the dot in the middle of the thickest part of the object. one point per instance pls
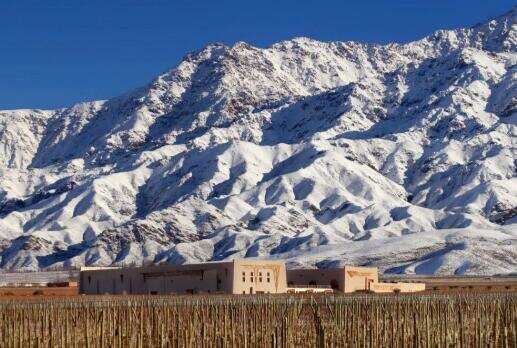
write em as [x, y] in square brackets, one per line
[401, 156]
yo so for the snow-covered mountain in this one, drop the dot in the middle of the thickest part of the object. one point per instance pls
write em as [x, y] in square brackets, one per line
[402, 156]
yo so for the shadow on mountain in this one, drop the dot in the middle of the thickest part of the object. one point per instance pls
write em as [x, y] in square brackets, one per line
[224, 188]
[294, 163]
[53, 212]
[62, 255]
[307, 116]
[430, 263]
[200, 96]
[78, 142]
[167, 185]
[429, 89]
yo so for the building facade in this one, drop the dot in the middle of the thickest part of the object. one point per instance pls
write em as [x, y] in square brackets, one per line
[345, 279]
[244, 276]
[234, 277]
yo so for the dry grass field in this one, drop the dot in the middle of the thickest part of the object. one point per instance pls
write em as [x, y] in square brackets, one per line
[474, 320]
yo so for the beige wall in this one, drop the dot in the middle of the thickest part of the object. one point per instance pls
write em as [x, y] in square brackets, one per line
[397, 287]
[360, 278]
[259, 276]
[162, 279]
[332, 277]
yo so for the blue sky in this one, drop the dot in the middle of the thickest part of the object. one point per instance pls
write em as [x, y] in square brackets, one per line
[54, 53]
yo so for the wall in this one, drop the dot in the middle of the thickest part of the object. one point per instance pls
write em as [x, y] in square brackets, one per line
[259, 276]
[397, 287]
[163, 279]
[332, 277]
[360, 278]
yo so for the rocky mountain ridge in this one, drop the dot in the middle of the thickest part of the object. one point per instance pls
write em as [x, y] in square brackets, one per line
[399, 155]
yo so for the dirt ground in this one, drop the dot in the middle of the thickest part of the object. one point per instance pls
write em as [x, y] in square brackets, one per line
[37, 292]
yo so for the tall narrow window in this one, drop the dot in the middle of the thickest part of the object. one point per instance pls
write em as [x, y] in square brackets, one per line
[121, 278]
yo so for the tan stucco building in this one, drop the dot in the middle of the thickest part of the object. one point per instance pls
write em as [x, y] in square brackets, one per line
[347, 279]
[244, 276]
[233, 277]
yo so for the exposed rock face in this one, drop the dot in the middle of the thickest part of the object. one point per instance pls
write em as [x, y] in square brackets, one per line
[401, 156]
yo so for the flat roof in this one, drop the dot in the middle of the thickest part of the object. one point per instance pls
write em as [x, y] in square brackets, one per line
[166, 266]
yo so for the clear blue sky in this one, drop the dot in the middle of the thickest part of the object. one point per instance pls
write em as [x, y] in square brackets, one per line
[54, 53]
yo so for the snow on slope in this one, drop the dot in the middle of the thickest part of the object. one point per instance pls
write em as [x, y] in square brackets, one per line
[401, 156]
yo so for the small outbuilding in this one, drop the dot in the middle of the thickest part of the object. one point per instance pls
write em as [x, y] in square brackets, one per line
[345, 279]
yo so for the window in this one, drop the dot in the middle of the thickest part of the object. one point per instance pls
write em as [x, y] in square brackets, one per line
[268, 280]
[244, 277]
[121, 278]
[251, 279]
[268, 274]
[260, 279]
[89, 279]
[226, 272]
[260, 274]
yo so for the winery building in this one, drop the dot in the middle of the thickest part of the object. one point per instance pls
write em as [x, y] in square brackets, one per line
[242, 276]
[233, 277]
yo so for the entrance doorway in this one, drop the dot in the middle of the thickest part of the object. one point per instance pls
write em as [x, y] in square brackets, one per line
[334, 284]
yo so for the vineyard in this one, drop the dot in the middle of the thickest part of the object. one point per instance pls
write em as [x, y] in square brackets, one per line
[477, 320]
